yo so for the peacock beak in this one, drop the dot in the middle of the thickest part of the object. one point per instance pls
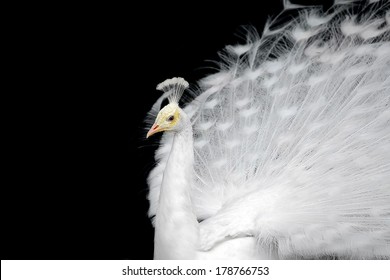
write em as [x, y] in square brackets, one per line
[155, 128]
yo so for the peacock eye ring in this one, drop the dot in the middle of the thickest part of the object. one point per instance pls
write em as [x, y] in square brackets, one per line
[171, 118]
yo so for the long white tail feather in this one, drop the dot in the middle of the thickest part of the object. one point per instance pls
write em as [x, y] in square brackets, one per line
[292, 137]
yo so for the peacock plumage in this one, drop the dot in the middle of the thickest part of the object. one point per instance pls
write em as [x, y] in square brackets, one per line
[285, 152]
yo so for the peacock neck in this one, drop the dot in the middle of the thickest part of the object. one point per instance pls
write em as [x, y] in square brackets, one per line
[177, 228]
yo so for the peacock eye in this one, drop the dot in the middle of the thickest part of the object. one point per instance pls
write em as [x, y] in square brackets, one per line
[171, 118]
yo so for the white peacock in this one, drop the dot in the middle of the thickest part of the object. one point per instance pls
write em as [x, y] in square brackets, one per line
[285, 157]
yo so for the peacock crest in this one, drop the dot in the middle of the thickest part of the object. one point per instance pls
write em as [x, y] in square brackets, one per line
[174, 88]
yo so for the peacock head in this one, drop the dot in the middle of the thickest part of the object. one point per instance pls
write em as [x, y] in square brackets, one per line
[169, 117]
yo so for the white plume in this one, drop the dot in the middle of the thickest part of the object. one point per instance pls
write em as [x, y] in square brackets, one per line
[292, 137]
[175, 87]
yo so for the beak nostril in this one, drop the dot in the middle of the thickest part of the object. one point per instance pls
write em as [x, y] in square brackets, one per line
[152, 130]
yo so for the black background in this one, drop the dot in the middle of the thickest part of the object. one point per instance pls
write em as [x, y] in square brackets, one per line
[82, 80]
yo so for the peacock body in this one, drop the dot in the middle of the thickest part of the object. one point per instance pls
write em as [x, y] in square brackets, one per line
[285, 152]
